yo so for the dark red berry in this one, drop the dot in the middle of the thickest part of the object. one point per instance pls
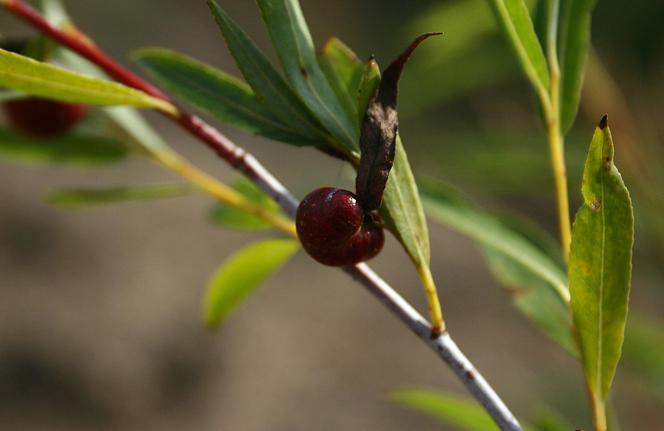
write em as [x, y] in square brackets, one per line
[335, 230]
[43, 118]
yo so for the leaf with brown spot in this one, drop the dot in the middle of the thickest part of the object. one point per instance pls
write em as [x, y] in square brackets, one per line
[600, 266]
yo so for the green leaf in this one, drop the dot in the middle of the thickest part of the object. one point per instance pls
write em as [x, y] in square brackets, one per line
[643, 353]
[130, 124]
[534, 298]
[83, 198]
[549, 420]
[462, 413]
[521, 257]
[70, 149]
[215, 92]
[233, 218]
[600, 264]
[514, 18]
[402, 209]
[28, 76]
[573, 44]
[344, 72]
[369, 82]
[491, 232]
[266, 82]
[241, 274]
[295, 49]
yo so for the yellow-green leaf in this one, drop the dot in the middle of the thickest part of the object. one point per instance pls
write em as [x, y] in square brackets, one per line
[68, 150]
[344, 72]
[521, 257]
[514, 18]
[367, 87]
[234, 218]
[241, 274]
[86, 197]
[462, 413]
[23, 74]
[573, 44]
[600, 264]
[402, 209]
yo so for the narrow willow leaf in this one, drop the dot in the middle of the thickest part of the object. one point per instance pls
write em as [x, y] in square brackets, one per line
[131, 125]
[343, 70]
[69, 150]
[643, 353]
[83, 198]
[241, 274]
[402, 209]
[266, 82]
[461, 412]
[573, 44]
[295, 49]
[600, 264]
[234, 218]
[215, 92]
[490, 231]
[534, 298]
[514, 18]
[28, 76]
[522, 258]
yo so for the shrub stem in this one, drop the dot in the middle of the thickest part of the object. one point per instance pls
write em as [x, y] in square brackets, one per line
[551, 107]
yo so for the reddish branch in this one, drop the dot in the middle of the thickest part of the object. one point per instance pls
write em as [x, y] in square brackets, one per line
[215, 140]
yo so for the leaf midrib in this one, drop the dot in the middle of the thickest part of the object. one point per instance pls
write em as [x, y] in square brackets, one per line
[600, 314]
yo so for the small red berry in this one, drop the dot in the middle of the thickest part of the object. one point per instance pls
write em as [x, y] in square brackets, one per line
[335, 230]
[43, 118]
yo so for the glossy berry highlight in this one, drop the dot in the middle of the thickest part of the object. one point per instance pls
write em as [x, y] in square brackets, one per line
[335, 230]
[43, 118]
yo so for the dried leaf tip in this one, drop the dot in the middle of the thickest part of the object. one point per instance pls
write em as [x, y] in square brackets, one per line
[604, 122]
[379, 131]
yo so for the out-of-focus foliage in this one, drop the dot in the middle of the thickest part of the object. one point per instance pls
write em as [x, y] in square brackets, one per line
[86, 197]
[240, 274]
[233, 218]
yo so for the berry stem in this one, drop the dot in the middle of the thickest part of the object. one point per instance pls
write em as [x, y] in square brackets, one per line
[244, 162]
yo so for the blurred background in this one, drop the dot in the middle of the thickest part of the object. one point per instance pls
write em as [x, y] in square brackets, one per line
[100, 308]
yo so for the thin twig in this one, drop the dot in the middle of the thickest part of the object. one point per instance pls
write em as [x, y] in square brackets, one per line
[554, 133]
[443, 345]
[244, 162]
